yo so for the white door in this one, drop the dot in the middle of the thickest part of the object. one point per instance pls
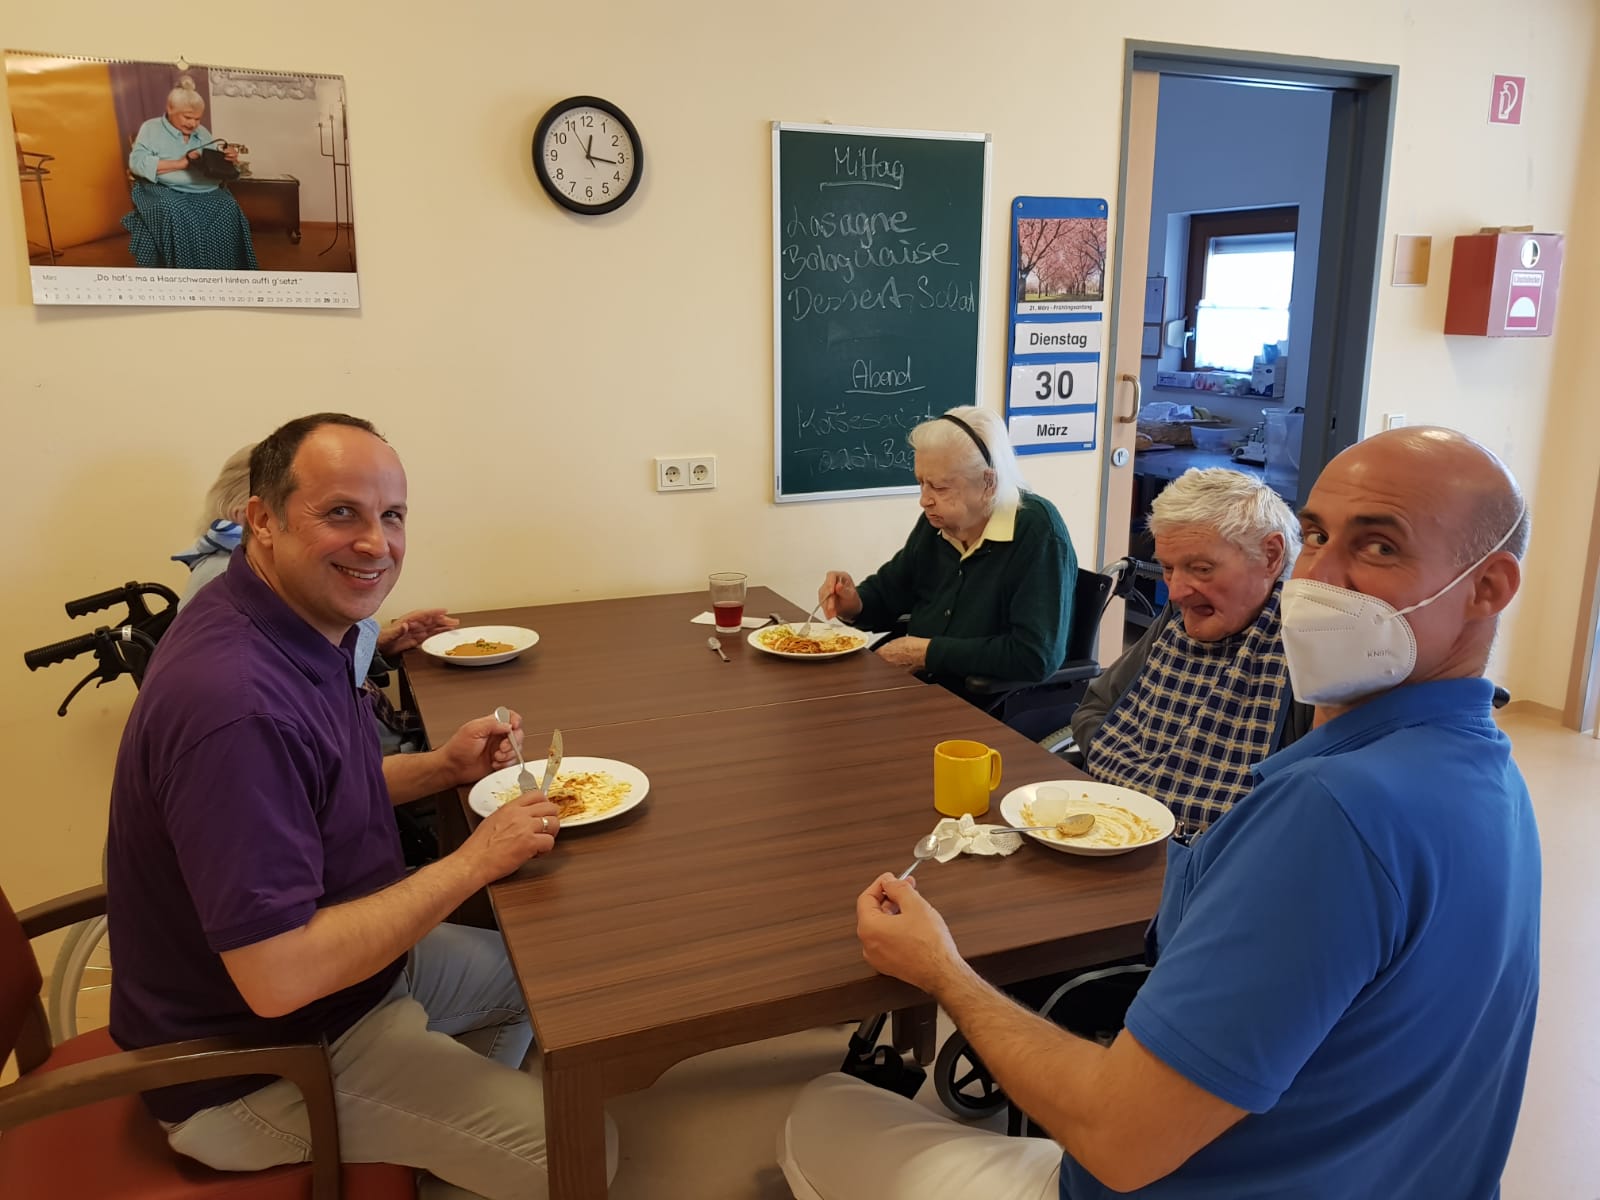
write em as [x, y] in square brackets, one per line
[1133, 237]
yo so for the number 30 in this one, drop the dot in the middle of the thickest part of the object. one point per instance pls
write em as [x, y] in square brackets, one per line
[1062, 383]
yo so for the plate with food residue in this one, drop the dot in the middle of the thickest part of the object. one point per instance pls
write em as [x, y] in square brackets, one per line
[587, 790]
[479, 645]
[1124, 819]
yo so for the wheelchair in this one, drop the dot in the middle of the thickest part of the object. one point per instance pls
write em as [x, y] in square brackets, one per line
[1033, 709]
[1036, 710]
[83, 964]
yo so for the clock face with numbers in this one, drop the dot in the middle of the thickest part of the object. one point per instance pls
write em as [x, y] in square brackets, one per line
[587, 155]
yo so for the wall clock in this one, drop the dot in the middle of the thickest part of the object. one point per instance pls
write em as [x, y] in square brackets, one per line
[588, 155]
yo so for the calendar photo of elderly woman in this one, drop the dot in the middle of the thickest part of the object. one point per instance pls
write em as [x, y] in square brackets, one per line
[179, 183]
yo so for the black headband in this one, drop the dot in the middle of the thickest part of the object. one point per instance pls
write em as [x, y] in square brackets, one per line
[971, 433]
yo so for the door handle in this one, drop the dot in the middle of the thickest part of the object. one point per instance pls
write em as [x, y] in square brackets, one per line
[1134, 415]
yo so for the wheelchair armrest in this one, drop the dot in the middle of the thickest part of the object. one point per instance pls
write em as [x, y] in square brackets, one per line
[1073, 672]
[1072, 755]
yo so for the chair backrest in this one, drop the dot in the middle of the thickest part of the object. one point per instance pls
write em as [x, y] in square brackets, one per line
[1089, 600]
[20, 980]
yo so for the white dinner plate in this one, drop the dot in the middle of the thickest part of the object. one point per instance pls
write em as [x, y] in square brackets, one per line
[860, 639]
[493, 790]
[1084, 795]
[439, 645]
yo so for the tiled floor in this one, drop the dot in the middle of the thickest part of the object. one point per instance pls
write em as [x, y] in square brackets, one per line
[707, 1129]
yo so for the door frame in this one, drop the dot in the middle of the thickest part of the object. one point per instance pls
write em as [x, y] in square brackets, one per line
[1349, 260]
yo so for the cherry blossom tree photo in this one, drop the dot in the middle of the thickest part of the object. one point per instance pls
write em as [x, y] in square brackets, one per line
[1060, 258]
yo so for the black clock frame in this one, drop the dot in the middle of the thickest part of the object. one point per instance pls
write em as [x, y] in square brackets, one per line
[541, 169]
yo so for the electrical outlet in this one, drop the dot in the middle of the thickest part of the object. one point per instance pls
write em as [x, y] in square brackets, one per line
[672, 474]
[703, 472]
[1394, 420]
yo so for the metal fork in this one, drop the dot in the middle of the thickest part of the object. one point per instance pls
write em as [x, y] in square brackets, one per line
[805, 630]
[525, 779]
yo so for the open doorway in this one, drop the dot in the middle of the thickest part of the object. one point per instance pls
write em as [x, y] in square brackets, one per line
[1248, 244]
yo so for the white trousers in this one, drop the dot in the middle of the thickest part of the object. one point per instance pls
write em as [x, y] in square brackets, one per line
[847, 1140]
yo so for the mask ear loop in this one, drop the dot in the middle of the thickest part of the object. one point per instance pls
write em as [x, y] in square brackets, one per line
[1515, 525]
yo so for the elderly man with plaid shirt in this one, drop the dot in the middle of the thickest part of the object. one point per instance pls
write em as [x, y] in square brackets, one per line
[1204, 695]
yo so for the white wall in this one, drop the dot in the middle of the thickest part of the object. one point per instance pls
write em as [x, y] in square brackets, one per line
[283, 139]
[528, 394]
[1222, 146]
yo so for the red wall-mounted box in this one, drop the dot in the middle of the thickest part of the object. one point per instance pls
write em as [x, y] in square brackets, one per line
[1504, 284]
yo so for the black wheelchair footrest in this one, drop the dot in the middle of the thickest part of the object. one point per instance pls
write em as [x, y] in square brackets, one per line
[886, 1069]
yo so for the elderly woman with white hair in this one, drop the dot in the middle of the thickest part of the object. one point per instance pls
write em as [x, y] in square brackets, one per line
[1204, 695]
[181, 216]
[986, 576]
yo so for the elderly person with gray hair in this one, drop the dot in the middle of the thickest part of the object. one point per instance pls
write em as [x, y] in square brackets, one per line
[182, 217]
[1204, 695]
[986, 576]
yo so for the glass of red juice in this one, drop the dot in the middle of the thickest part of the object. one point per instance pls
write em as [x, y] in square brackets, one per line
[727, 601]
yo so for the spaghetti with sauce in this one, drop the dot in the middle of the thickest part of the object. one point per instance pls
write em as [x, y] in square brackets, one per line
[823, 639]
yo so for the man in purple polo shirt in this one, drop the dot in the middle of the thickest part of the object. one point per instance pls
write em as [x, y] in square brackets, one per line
[254, 873]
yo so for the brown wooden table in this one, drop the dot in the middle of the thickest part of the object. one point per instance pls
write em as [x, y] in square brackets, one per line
[607, 662]
[721, 910]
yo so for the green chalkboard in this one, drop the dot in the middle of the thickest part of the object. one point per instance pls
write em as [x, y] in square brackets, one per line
[878, 247]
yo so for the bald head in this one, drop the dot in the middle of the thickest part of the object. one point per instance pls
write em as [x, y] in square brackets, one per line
[1459, 485]
[1411, 517]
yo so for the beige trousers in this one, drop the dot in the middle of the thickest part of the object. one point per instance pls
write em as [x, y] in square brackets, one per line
[429, 1078]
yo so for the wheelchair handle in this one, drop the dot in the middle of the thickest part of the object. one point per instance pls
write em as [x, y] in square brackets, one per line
[131, 593]
[94, 603]
[58, 652]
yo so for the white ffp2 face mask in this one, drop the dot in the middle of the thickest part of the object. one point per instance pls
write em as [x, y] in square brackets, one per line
[1343, 644]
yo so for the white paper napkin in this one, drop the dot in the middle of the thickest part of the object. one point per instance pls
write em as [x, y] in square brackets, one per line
[966, 836]
[707, 618]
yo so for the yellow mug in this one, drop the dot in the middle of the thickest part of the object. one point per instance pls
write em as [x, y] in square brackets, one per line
[964, 773]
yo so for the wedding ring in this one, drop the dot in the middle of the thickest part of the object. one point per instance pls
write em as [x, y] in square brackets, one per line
[544, 824]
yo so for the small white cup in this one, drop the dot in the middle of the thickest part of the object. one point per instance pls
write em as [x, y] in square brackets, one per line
[1050, 804]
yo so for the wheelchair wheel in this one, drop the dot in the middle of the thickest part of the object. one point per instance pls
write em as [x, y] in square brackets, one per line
[80, 984]
[963, 1083]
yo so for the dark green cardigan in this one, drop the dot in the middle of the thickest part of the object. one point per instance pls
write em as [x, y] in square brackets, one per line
[1002, 613]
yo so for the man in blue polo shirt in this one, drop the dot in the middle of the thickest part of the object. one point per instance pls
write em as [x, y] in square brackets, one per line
[254, 873]
[1347, 969]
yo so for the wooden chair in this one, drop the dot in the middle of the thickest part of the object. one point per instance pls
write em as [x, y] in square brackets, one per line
[73, 1125]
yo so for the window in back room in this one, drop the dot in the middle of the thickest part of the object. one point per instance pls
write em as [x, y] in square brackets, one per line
[1240, 271]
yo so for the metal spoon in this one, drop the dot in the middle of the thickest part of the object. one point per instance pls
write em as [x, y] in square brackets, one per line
[925, 849]
[713, 644]
[1076, 825]
[525, 779]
